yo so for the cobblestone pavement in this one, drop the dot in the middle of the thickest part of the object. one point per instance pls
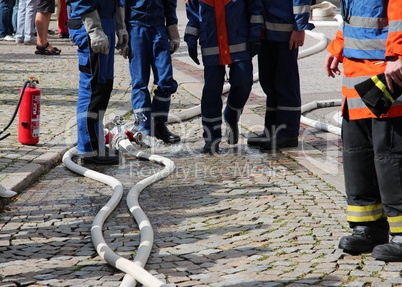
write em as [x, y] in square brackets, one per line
[242, 218]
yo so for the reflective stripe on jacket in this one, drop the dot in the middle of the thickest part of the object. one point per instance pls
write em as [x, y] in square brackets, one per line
[284, 16]
[358, 59]
[223, 28]
[365, 28]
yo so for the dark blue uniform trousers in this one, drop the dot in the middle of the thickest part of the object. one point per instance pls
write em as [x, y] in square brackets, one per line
[279, 79]
[241, 80]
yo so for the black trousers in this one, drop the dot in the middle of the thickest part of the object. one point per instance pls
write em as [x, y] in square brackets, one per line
[372, 160]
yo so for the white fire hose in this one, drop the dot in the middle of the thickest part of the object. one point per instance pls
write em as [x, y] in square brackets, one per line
[134, 269]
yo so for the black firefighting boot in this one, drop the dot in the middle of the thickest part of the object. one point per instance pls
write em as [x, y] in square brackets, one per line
[161, 132]
[389, 252]
[211, 147]
[232, 132]
[363, 239]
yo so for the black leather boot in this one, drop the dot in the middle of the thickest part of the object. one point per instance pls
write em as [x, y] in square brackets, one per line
[363, 239]
[161, 132]
[389, 252]
[281, 142]
[109, 157]
[256, 140]
[211, 147]
[232, 132]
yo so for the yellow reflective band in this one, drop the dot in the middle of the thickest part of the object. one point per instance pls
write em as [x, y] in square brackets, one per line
[395, 224]
[365, 213]
[382, 87]
[364, 218]
[366, 208]
[395, 219]
[395, 230]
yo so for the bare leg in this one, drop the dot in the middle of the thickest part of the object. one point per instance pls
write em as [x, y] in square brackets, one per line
[42, 22]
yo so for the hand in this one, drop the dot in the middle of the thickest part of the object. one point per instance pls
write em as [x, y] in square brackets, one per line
[297, 39]
[193, 53]
[121, 32]
[254, 48]
[98, 39]
[331, 66]
[393, 73]
[174, 38]
[99, 42]
[122, 42]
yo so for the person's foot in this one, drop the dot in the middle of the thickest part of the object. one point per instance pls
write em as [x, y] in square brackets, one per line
[389, 252]
[110, 157]
[9, 38]
[64, 35]
[30, 42]
[99, 159]
[363, 239]
[232, 132]
[6, 193]
[162, 132]
[256, 140]
[210, 147]
[47, 49]
[279, 143]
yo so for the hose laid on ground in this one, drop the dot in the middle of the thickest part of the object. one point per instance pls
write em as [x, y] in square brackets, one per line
[134, 269]
[317, 124]
[146, 232]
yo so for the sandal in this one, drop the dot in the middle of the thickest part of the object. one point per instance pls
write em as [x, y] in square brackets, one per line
[43, 50]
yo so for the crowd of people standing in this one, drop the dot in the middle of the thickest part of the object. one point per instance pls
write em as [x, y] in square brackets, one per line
[27, 22]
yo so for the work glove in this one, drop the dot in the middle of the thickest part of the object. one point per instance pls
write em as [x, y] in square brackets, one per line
[121, 32]
[174, 38]
[193, 53]
[254, 48]
[93, 26]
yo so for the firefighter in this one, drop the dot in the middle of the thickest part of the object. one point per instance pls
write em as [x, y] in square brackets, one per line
[154, 36]
[372, 147]
[285, 25]
[93, 26]
[229, 33]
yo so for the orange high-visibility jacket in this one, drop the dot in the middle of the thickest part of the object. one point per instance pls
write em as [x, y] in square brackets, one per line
[355, 49]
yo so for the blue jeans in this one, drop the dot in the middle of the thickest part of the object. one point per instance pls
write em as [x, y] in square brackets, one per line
[6, 13]
[149, 48]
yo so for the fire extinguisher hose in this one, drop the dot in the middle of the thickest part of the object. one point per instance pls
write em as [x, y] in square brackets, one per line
[15, 111]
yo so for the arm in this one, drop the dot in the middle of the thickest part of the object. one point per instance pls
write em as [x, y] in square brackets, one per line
[171, 23]
[192, 32]
[335, 55]
[121, 31]
[301, 13]
[86, 9]
[393, 70]
[255, 10]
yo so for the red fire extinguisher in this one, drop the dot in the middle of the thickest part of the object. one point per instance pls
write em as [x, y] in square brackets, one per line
[28, 126]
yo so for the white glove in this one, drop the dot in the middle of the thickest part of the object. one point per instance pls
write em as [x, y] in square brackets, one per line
[174, 38]
[93, 26]
[121, 32]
